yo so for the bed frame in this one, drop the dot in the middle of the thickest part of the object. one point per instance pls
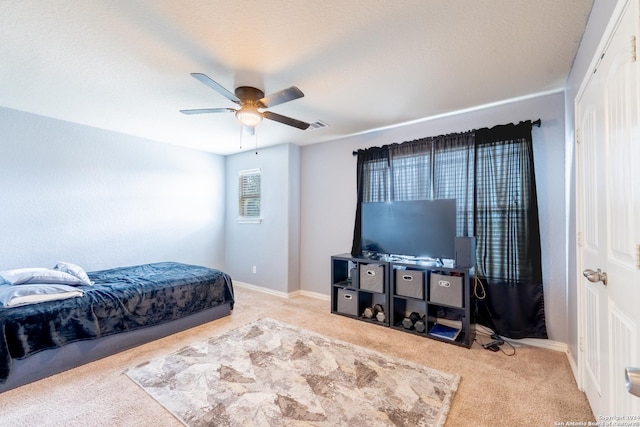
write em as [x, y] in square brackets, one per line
[54, 361]
[124, 308]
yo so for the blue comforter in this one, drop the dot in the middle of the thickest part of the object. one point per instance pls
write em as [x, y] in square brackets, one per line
[122, 299]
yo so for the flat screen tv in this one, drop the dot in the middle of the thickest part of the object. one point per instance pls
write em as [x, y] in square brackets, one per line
[420, 228]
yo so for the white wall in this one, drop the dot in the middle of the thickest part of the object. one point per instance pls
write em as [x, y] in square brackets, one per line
[272, 246]
[102, 199]
[598, 19]
[328, 192]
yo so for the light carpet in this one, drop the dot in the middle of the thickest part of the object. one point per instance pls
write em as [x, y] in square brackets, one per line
[269, 373]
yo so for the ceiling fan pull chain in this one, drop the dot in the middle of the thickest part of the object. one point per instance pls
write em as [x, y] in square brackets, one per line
[256, 138]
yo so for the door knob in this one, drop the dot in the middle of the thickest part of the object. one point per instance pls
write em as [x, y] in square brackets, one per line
[632, 380]
[595, 276]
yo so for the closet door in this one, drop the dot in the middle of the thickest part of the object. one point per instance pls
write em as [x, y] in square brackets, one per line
[608, 154]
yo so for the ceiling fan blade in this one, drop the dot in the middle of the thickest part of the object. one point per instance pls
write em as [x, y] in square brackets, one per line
[285, 120]
[216, 86]
[207, 110]
[282, 96]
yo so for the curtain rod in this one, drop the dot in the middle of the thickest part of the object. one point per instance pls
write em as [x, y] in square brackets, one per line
[537, 123]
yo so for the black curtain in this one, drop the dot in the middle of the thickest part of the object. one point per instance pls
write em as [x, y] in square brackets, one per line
[490, 174]
[508, 255]
[371, 170]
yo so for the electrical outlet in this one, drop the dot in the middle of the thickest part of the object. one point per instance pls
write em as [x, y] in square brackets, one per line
[254, 269]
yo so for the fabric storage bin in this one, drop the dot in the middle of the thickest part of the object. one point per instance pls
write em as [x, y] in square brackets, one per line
[410, 283]
[372, 277]
[446, 290]
[347, 302]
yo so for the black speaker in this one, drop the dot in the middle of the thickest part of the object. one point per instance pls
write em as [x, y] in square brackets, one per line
[465, 252]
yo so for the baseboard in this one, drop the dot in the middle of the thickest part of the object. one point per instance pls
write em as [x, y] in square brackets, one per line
[532, 342]
[281, 294]
[261, 289]
[540, 343]
[555, 346]
[574, 370]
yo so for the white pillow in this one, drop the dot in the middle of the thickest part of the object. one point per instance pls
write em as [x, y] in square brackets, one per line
[22, 276]
[14, 296]
[74, 270]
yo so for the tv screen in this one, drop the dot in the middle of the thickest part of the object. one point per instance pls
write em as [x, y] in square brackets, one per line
[420, 228]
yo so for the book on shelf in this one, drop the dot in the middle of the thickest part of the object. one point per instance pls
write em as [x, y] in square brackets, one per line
[444, 331]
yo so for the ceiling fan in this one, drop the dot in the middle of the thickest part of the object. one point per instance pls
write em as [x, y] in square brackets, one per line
[251, 102]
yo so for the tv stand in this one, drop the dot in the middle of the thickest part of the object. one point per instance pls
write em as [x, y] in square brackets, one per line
[414, 296]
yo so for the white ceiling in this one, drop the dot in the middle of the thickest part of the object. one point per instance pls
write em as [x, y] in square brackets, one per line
[124, 65]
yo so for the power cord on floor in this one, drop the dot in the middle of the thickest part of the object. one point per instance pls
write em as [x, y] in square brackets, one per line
[496, 344]
[480, 293]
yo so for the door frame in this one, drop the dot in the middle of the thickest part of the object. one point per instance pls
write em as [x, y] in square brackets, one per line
[603, 45]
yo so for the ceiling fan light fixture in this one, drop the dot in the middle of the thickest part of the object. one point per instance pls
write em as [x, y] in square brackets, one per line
[249, 116]
[251, 101]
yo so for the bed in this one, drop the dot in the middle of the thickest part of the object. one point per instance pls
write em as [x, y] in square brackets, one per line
[120, 309]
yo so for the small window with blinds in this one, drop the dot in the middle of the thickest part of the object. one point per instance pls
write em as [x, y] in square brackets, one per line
[249, 188]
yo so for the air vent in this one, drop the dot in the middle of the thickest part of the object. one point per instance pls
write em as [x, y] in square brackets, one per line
[318, 124]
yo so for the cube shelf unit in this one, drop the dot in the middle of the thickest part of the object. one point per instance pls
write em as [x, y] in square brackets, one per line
[358, 284]
[437, 295]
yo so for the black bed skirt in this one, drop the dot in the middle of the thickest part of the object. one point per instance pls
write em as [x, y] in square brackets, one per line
[50, 362]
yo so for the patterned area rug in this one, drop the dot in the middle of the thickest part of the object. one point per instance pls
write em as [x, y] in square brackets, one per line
[269, 373]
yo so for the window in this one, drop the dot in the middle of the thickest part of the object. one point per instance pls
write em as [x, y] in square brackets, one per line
[490, 174]
[249, 189]
[491, 180]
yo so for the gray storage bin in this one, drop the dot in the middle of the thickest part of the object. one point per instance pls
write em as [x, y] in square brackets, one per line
[410, 283]
[372, 277]
[347, 302]
[446, 290]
